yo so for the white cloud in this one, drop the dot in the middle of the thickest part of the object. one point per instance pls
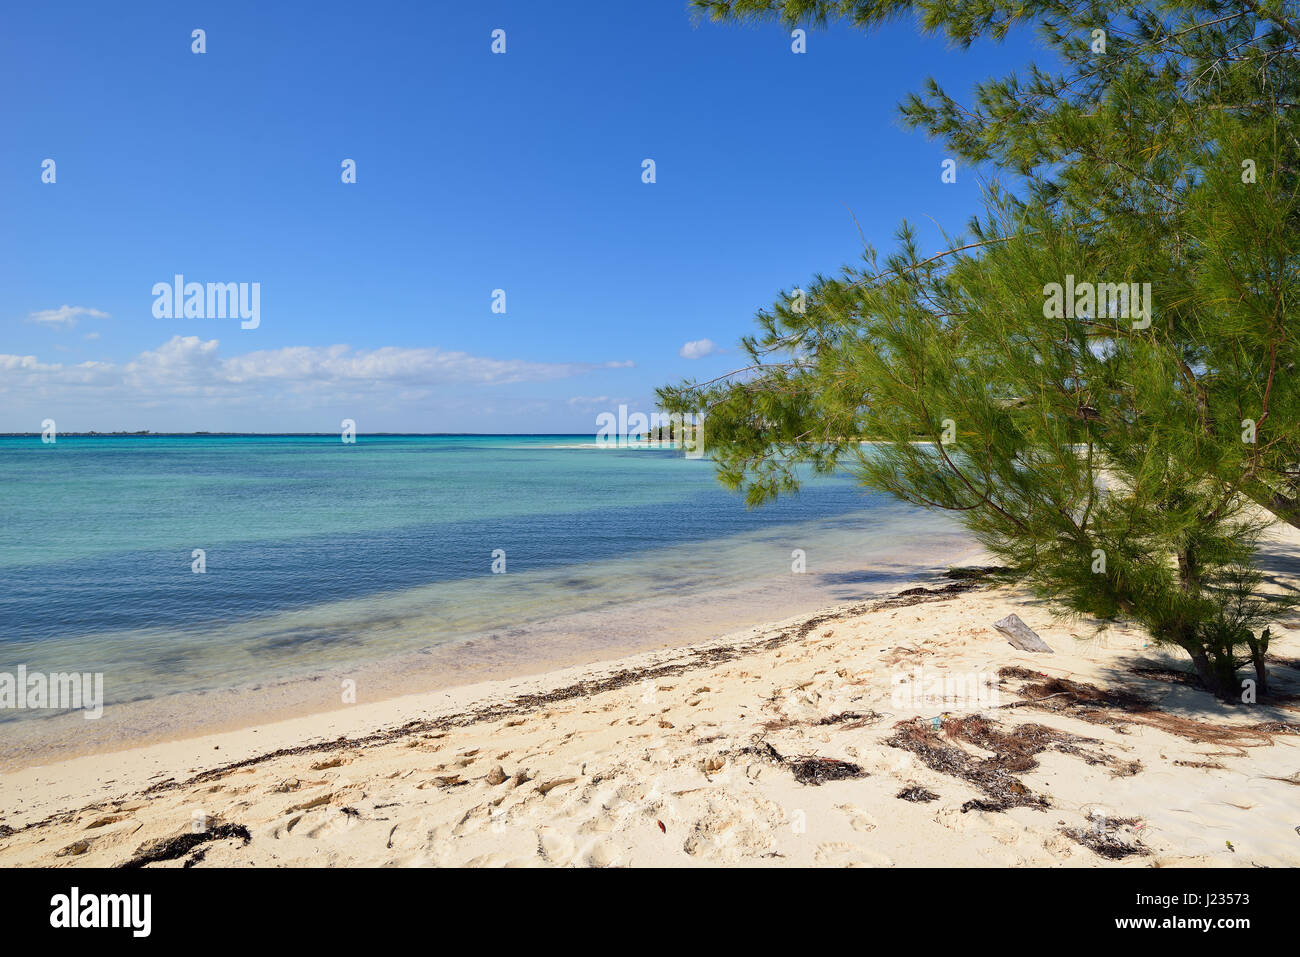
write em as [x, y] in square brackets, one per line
[188, 383]
[190, 365]
[65, 315]
[697, 349]
[25, 364]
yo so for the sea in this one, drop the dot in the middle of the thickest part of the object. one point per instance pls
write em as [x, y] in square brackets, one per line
[210, 578]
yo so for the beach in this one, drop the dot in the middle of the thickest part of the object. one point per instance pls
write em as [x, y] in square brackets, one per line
[901, 730]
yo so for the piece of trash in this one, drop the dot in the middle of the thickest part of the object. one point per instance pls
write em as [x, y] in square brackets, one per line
[661, 826]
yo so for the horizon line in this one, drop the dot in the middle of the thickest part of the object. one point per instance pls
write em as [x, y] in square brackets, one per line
[145, 433]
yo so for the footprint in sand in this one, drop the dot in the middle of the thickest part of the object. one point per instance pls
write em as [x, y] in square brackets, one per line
[841, 854]
[1059, 847]
[732, 828]
[992, 824]
[859, 819]
[555, 847]
[315, 802]
[597, 824]
[106, 820]
[284, 828]
[603, 854]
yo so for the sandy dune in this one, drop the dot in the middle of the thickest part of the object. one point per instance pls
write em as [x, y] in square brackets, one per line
[714, 755]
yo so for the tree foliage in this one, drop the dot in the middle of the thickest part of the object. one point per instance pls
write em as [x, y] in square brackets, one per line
[1117, 460]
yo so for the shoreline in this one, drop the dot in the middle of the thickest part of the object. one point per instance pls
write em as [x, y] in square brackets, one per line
[702, 754]
[577, 638]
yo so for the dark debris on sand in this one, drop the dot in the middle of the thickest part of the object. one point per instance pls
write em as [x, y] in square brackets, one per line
[1105, 839]
[1014, 750]
[1118, 708]
[978, 572]
[169, 849]
[806, 768]
[994, 776]
[1076, 698]
[814, 770]
[852, 719]
[915, 596]
[916, 794]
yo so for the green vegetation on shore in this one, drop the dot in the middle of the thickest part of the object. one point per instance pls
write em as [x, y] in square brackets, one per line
[1124, 445]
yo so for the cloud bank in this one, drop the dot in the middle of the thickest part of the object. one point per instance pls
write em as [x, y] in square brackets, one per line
[189, 363]
[191, 373]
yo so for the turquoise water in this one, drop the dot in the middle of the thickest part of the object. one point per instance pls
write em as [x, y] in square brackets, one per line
[320, 554]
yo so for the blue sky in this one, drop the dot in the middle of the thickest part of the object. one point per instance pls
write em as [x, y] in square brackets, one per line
[475, 172]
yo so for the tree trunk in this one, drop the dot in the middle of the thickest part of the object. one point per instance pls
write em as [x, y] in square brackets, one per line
[1229, 688]
[1258, 651]
[1189, 570]
[1261, 675]
[1284, 507]
[1201, 661]
[1217, 674]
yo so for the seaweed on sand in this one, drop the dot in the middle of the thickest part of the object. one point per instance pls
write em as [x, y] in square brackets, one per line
[1076, 698]
[171, 848]
[917, 794]
[994, 776]
[1119, 707]
[852, 719]
[1106, 840]
[807, 768]
[1014, 751]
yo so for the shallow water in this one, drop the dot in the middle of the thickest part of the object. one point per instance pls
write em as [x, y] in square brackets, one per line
[322, 556]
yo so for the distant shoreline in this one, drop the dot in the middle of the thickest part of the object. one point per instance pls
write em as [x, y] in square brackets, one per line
[306, 435]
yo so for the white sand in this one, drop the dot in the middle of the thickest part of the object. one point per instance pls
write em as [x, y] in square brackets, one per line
[655, 772]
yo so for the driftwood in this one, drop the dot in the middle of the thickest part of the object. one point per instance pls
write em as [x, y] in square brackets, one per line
[1021, 635]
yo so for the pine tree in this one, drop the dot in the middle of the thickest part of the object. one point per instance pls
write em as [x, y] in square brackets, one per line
[1112, 445]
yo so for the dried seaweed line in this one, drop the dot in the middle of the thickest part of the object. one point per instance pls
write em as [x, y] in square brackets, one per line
[169, 849]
